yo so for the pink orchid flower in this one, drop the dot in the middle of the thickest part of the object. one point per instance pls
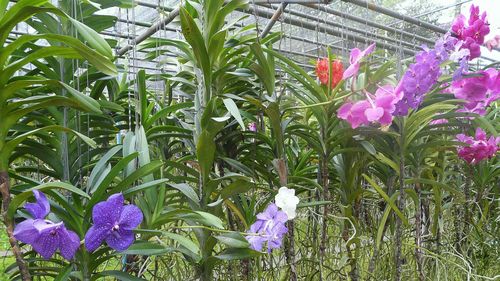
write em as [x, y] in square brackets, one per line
[378, 108]
[493, 43]
[355, 60]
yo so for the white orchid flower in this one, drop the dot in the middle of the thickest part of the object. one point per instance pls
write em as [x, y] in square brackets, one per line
[287, 201]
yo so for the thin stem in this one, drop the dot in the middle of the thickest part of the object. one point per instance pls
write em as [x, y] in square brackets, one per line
[401, 198]
[9, 224]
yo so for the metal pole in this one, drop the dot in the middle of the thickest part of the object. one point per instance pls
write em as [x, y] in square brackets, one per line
[330, 30]
[273, 19]
[396, 15]
[150, 31]
[370, 23]
[357, 30]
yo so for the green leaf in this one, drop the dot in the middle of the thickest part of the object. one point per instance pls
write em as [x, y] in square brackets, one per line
[120, 275]
[147, 249]
[20, 198]
[187, 190]
[93, 38]
[101, 165]
[195, 38]
[142, 187]
[64, 274]
[87, 102]
[236, 187]
[233, 240]
[209, 219]
[205, 152]
[235, 112]
[387, 199]
[183, 241]
[237, 254]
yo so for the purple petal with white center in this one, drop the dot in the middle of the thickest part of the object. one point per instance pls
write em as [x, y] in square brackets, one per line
[48, 240]
[130, 217]
[96, 235]
[120, 239]
[108, 212]
[41, 208]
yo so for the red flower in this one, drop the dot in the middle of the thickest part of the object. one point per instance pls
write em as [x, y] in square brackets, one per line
[322, 71]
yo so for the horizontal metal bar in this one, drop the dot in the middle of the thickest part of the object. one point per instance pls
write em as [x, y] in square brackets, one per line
[369, 23]
[346, 27]
[396, 15]
[150, 31]
[331, 31]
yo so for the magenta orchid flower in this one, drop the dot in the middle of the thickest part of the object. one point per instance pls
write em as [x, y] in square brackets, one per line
[355, 59]
[479, 92]
[477, 148]
[45, 236]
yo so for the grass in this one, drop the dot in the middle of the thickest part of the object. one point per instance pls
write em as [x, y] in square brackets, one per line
[4, 249]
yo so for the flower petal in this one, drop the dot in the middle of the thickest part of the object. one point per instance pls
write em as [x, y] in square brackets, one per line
[47, 242]
[95, 236]
[41, 208]
[70, 242]
[108, 212]
[120, 239]
[26, 232]
[374, 114]
[131, 217]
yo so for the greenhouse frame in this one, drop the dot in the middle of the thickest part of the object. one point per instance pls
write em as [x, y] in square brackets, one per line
[250, 140]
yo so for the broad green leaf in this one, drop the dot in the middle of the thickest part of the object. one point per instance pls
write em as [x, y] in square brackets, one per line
[22, 197]
[93, 38]
[233, 240]
[235, 112]
[237, 254]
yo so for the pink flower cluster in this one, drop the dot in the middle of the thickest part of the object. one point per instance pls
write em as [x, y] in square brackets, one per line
[471, 32]
[493, 43]
[478, 148]
[378, 108]
[478, 91]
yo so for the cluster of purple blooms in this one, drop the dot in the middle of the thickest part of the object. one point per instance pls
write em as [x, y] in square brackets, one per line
[419, 79]
[462, 46]
[269, 228]
[113, 223]
[270, 225]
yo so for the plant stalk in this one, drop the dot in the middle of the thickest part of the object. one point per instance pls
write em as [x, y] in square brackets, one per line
[401, 199]
[9, 224]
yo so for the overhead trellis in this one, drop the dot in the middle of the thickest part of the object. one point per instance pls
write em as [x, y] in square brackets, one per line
[342, 23]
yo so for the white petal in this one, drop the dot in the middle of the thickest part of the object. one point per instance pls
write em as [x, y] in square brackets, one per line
[287, 201]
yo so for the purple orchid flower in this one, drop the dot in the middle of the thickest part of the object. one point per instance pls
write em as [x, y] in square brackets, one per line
[43, 235]
[252, 127]
[355, 60]
[270, 227]
[113, 223]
